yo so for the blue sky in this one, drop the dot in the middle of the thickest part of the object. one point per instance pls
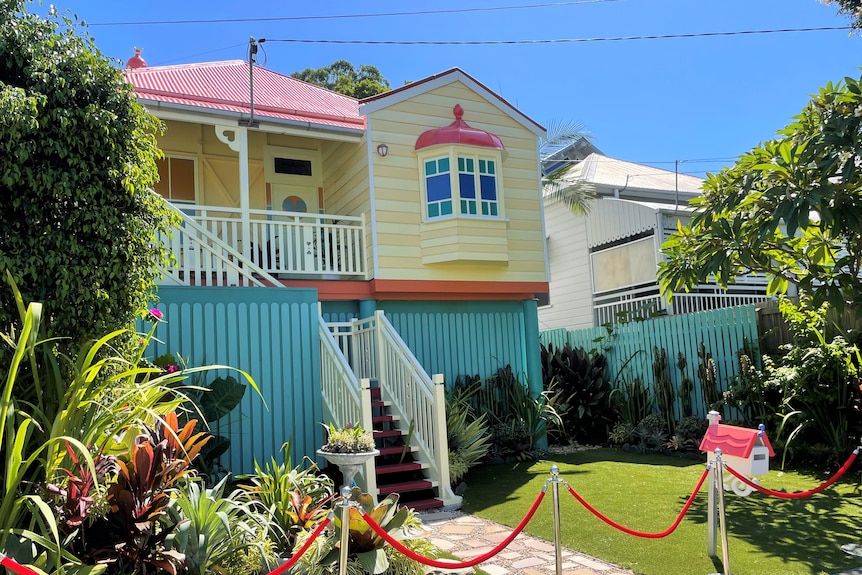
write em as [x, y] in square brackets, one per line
[651, 101]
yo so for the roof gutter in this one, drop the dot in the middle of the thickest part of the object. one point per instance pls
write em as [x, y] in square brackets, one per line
[267, 124]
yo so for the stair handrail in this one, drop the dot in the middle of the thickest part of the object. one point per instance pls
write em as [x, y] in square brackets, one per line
[345, 399]
[229, 258]
[415, 398]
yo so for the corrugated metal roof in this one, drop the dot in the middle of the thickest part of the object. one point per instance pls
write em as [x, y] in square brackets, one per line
[224, 86]
[601, 170]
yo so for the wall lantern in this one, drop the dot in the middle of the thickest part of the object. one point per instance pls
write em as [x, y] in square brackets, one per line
[382, 150]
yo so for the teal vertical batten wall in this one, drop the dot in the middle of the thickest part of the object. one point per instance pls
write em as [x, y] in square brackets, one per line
[630, 348]
[271, 334]
[459, 338]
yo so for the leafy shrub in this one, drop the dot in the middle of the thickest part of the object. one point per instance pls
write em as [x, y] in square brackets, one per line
[690, 432]
[350, 439]
[631, 400]
[512, 411]
[578, 378]
[79, 223]
[294, 496]
[367, 551]
[622, 434]
[467, 435]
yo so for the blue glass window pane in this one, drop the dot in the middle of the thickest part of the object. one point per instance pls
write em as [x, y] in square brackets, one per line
[433, 210]
[493, 209]
[482, 167]
[488, 186]
[431, 168]
[468, 186]
[490, 167]
[460, 164]
[443, 165]
[470, 165]
[445, 208]
[438, 187]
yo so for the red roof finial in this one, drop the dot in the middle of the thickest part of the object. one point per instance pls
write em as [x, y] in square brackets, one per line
[458, 111]
[136, 61]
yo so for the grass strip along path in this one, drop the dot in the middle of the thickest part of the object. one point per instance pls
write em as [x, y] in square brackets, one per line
[645, 492]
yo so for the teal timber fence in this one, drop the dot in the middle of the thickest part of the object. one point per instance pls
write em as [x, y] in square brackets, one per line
[271, 334]
[630, 347]
[466, 338]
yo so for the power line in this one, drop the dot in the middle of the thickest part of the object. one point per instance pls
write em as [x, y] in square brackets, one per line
[347, 16]
[204, 53]
[552, 41]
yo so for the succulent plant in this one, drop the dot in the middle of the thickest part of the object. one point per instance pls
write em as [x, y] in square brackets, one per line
[350, 439]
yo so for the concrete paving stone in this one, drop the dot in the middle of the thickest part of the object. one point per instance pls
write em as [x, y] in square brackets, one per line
[528, 562]
[538, 545]
[475, 552]
[443, 544]
[473, 542]
[495, 538]
[451, 528]
[493, 569]
[592, 563]
[581, 571]
[469, 519]
[509, 555]
[532, 571]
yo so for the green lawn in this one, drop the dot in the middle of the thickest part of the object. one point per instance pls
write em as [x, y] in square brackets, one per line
[768, 536]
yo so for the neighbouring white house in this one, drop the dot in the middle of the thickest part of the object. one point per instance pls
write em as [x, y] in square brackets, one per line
[603, 265]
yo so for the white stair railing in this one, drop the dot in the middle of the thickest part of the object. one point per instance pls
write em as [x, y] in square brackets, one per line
[205, 259]
[346, 400]
[417, 400]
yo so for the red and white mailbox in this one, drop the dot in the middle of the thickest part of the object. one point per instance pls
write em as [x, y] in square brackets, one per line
[745, 450]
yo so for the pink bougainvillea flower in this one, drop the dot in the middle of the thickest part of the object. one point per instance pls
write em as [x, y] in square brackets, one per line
[155, 314]
[171, 368]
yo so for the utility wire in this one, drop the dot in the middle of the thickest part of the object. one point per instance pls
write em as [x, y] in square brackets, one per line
[347, 16]
[551, 41]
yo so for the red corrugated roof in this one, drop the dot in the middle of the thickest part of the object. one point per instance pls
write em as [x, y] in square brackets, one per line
[732, 440]
[224, 86]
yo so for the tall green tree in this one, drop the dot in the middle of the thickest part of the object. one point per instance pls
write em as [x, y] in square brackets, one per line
[850, 8]
[78, 222]
[790, 209]
[343, 77]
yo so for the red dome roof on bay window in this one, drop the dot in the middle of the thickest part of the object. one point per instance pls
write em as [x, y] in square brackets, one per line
[459, 132]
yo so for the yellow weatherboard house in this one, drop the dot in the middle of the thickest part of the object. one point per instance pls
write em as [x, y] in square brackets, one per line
[354, 256]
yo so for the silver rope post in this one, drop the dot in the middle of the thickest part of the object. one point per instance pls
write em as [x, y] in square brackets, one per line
[345, 529]
[555, 490]
[725, 555]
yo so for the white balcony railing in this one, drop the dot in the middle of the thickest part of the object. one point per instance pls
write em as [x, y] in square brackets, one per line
[289, 243]
[644, 301]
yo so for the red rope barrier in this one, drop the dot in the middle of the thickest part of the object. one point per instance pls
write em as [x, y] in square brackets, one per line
[292, 561]
[643, 534]
[798, 494]
[15, 567]
[454, 564]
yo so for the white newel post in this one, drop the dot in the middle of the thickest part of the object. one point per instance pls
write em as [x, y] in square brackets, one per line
[441, 439]
[370, 470]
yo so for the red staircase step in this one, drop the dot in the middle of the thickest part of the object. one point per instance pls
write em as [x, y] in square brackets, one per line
[382, 418]
[379, 403]
[423, 504]
[404, 487]
[396, 450]
[375, 394]
[398, 467]
[390, 433]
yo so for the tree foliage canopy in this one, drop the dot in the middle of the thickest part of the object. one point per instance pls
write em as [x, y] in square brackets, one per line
[790, 208]
[77, 159]
[342, 77]
[851, 8]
